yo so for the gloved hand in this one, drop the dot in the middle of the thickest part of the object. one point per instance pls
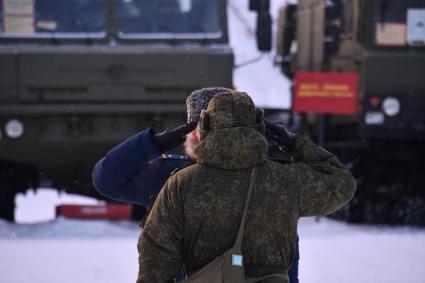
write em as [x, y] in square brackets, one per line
[172, 137]
[278, 135]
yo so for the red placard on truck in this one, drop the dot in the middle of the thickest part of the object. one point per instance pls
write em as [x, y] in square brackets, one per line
[107, 211]
[326, 93]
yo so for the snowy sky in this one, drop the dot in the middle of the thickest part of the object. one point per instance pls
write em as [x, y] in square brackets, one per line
[263, 81]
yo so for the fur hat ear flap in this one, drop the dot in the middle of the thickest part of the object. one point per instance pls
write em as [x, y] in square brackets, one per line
[259, 115]
[204, 123]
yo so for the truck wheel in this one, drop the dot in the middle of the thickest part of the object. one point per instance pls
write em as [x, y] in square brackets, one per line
[7, 202]
[14, 178]
[415, 211]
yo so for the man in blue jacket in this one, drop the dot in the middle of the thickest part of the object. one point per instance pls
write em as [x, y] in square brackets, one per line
[136, 170]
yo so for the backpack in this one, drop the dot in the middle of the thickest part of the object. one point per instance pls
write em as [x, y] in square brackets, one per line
[229, 267]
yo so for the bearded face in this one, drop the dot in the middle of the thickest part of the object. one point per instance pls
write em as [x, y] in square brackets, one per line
[191, 144]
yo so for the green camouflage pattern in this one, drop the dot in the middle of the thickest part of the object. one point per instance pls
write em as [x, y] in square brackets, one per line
[197, 213]
[228, 111]
[240, 147]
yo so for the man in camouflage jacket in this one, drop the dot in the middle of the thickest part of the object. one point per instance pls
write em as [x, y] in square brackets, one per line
[197, 213]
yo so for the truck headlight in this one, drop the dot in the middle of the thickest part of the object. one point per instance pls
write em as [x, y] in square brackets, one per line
[14, 128]
[391, 106]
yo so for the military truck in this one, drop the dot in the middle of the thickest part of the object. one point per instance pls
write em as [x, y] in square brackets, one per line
[79, 76]
[382, 42]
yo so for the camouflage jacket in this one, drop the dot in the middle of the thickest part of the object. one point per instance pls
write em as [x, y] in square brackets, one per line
[196, 216]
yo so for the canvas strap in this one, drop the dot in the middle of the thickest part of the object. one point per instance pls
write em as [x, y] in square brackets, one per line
[238, 242]
[283, 277]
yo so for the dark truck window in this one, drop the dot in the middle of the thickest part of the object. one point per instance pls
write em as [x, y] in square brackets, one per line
[40, 18]
[168, 18]
[399, 22]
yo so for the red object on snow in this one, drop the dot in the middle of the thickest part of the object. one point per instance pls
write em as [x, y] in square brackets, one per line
[109, 211]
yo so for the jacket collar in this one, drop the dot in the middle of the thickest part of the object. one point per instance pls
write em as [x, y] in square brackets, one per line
[233, 148]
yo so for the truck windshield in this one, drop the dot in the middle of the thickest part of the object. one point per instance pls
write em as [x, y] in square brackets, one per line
[399, 22]
[45, 18]
[168, 18]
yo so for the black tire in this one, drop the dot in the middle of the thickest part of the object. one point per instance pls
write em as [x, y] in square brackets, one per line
[14, 178]
[7, 202]
[415, 212]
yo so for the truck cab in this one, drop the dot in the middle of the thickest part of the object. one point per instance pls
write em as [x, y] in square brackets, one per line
[382, 43]
[79, 76]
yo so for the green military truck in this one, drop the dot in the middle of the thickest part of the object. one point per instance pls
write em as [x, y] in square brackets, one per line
[382, 42]
[79, 76]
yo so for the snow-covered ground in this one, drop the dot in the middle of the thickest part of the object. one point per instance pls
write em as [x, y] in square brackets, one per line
[40, 205]
[101, 251]
[336, 252]
[64, 250]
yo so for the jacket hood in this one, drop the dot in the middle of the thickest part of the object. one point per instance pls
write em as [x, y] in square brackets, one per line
[232, 133]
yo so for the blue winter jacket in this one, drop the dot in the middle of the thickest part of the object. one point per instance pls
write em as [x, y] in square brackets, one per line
[135, 171]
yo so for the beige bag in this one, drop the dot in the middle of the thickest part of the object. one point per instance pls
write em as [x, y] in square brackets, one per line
[229, 267]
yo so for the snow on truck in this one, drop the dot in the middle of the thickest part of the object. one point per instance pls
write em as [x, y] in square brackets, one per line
[358, 72]
[79, 76]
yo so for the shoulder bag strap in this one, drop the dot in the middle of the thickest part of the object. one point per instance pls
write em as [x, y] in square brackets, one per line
[238, 242]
